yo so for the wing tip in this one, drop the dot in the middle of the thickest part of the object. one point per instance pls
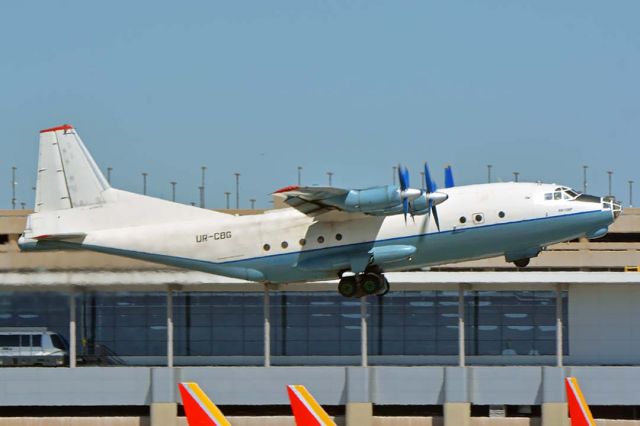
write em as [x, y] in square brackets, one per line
[55, 129]
[287, 189]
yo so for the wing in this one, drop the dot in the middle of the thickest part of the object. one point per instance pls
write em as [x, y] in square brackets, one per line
[312, 201]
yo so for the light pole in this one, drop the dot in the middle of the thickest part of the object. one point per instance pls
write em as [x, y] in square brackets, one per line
[227, 194]
[13, 186]
[515, 176]
[23, 204]
[144, 182]
[299, 175]
[489, 166]
[109, 175]
[173, 191]
[395, 172]
[202, 184]
[330, 174]
[253, 203]
[200, 191]
[422, 180]
[609, 172]
[237, 190]
[584, 179]
[630, 193]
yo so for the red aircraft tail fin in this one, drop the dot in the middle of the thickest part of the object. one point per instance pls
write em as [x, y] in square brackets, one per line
[198, 408]
[578, 408]
[306, 409]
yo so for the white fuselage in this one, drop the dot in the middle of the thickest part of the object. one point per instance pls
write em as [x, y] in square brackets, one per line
[477, 221]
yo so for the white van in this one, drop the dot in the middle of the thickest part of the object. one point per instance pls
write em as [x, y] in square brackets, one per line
[31, 346]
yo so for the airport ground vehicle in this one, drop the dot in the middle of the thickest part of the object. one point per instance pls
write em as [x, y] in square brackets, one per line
[31, 346]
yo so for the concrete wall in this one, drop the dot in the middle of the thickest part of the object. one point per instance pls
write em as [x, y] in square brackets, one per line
[141, 386]
[603, 324]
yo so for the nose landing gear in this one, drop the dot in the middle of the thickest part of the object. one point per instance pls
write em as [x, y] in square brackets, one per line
[363, 284]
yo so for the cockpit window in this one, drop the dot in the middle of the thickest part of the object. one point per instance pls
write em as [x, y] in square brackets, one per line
[571, 193]
[548, 196]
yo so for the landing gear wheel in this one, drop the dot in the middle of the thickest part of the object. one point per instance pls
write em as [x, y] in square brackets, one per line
[385, 287]
[371, 283]
[521, 263]
[347, 286]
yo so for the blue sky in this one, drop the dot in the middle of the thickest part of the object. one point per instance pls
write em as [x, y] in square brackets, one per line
[352, 87]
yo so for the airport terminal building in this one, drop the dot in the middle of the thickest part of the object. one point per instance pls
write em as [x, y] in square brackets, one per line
[473, 343]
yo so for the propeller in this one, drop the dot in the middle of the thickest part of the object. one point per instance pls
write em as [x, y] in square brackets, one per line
[407, 194]
[432, 188]
[448, 177]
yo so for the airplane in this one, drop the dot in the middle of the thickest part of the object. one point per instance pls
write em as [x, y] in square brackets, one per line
[306, 409]
[198, 408]
[579, 410]
[355, 235]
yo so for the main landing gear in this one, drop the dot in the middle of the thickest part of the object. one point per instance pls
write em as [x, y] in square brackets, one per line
[363, 284]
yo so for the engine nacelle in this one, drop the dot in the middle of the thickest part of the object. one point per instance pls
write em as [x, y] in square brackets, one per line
[420, 205]
[370, 200]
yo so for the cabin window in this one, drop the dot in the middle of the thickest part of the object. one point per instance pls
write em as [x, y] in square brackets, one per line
[548, 196]
[501, 214]
[266, 247]
[478, 217]
[302, 241]
[321, 239]
[284, 244]
[463, 219]
[338, 237]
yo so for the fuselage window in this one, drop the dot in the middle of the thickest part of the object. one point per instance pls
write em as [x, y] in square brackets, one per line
[463, 219]
[548, 196]
[321, 239]
[266, 247]
[302, 241]
[338, 237]
[478, 218]
[501, 214]
[284, 245]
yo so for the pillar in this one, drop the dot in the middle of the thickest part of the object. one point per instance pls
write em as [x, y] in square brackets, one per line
[358, 414]
[72, 329]
[555, 414]
[267, 328]
[163, 414]
[363, 331]
[169, 328]
[457, 414]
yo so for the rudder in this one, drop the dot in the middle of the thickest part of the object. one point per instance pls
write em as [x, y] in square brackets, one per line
[68, 176]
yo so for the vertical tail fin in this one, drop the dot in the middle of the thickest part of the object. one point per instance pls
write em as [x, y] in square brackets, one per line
[578, 409]
[67, 175]
[306, 409]
[199, 409]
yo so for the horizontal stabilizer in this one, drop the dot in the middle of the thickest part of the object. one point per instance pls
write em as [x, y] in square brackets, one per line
[306, 409]
[198, 408]
[61, 237]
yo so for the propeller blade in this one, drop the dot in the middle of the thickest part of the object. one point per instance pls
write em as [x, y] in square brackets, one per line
[403, 177]
[448, 177]
[431, 187]
[405, 208]
[434, 211]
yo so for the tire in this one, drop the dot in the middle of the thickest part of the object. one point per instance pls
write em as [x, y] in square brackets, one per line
[371, 283]
[385, 287]
[521, 263]
[347, 286]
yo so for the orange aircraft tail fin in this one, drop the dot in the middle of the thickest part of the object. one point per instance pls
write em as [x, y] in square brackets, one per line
[306, 409]
[578, 409]
[198, 408]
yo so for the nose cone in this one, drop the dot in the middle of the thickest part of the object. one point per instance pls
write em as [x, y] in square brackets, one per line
[610, 203]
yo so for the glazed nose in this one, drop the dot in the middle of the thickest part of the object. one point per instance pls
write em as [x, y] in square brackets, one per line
[610, 203]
